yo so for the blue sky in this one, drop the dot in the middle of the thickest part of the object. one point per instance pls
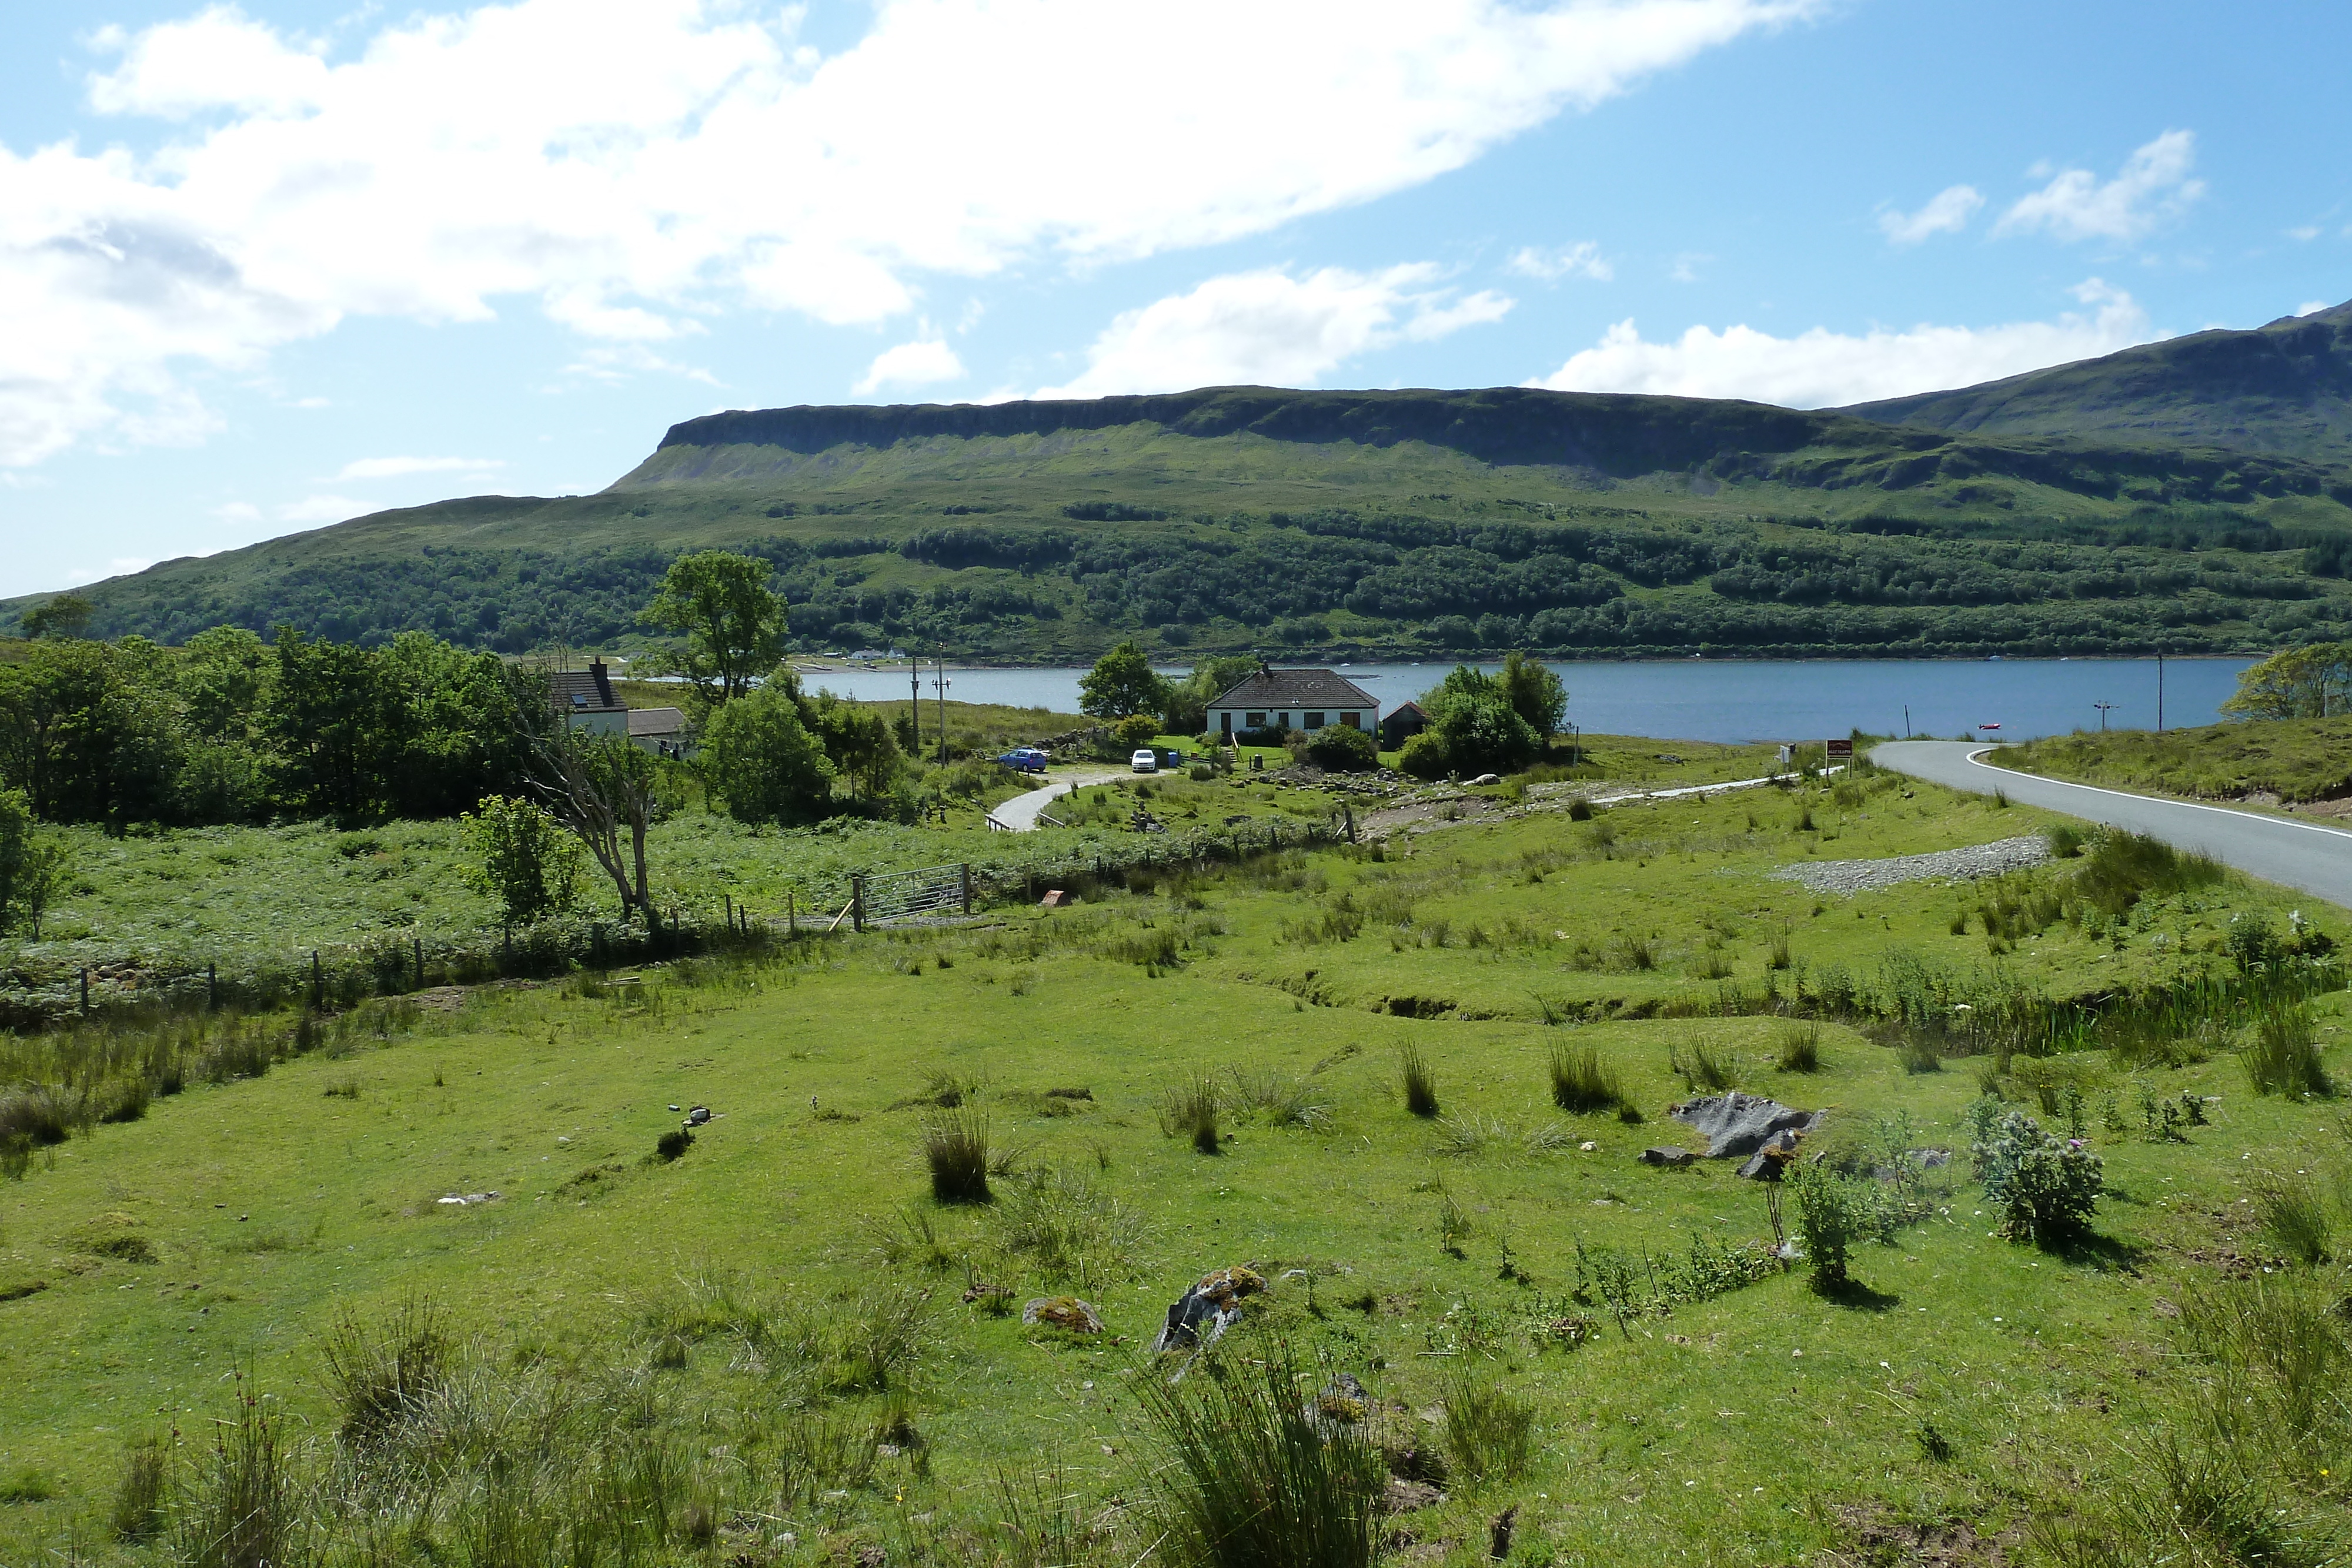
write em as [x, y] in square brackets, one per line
[268, 268]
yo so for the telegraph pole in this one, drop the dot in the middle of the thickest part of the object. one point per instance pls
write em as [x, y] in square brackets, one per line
[940, 674]
[2159, 692]
[2103, 708]
[915, 704]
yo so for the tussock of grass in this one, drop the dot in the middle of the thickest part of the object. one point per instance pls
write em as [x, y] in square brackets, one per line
[381, 1376]
[1700, 1066]
[1797, 1045]
[1417, 1081]
[1251, 1480]
[1489, 1431]
[1189, 1110]
[2283, 1056]
[1580, 1083]
[955, 1148]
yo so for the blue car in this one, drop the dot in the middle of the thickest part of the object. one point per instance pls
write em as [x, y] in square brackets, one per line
[1026, 759]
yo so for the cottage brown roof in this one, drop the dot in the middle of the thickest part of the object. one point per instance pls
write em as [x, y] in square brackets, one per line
[1280, 689]
[584, 691]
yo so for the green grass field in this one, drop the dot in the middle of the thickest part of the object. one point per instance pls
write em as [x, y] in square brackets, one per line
[764, 1310]
[2293, 761]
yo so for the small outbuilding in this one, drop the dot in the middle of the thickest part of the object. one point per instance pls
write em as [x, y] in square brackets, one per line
[1401, 726]
[662, 731]
[1276, 699]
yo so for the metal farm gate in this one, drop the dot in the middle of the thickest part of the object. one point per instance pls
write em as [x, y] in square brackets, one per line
[903, 895]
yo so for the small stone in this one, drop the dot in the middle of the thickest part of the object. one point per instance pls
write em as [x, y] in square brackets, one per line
[1062, 1312]
[1665, 1156]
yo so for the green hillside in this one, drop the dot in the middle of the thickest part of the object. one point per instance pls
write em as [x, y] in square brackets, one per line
[2284, 388]
[1404, 522]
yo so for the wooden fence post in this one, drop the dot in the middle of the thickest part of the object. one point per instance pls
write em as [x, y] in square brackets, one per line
[858, 902]
[417, 946]
[212, 987]
[318, 984]
[792, 914]
[967, 887]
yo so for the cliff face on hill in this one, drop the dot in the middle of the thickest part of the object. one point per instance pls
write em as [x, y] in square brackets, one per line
[2285, 388]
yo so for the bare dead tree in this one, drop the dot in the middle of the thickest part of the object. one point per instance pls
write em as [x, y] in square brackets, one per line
[602, 787]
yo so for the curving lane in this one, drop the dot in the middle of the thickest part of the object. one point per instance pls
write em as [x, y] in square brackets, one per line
[2306, 855]
[1019, 815]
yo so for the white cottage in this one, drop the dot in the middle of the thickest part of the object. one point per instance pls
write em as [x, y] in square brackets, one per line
[1294, 699]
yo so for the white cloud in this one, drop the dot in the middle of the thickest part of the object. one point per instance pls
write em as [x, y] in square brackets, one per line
[2310, 307]
[401, 467]
[1269, 328]
[1582, 259]
[321, 509]
[2154, 185]
[1686, 266]
[237, 512]
[1947, 212]
[923, 362]
[634, 164]
[2303, 232]
[1820, 369]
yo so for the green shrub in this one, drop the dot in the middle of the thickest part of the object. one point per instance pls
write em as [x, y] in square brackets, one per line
[1425, 756]
[1832, 1213]
[672, 1144]
[2045, 1190]
[1342, 748]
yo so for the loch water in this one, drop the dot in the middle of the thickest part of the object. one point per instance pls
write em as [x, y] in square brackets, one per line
[1735, 700]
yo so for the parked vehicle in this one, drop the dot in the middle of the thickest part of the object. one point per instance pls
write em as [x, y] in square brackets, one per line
[1145, 762]
[1026, 760]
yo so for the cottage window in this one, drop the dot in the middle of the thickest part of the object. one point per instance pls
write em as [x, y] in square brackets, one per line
[1315, 721]
[1353, 721]
[1256, 721]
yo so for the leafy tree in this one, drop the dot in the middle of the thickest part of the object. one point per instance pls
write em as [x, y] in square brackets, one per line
[1136, 730]
[522, 857]
[1425, 756]
[2310, 681]
[85, 731]
[732, 621]
[335, 723]
[1534, 692]
[65, 615]
[1189, 700]
[857, 738]
[15, 844]
[39, 875]
[1476, 728]
[759, 759]
[1122, 683]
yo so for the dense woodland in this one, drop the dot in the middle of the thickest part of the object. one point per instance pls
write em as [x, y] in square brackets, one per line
[2179, 578]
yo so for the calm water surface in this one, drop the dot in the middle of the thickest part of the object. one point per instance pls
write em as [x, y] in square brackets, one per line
[1732, 701]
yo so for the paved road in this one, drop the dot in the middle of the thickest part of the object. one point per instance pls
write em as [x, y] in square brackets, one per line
[2317, 860]
[1019, 814]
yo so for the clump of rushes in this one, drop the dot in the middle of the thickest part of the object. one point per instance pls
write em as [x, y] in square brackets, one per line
[2282, 1058]
[1797, 1046]
[1700, 1067]
[1260, 1477]
[672, 1143]
[1489, 1431]
[1418, 1080]
[138, 1511]
[2296, 1216]
[955, 1147]
[1579, 1083]
[1190, 1111]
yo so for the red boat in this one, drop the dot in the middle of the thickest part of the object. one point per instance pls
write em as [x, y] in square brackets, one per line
[1988, 727]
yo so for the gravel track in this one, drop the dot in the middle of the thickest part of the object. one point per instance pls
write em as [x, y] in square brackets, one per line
[1958, 865]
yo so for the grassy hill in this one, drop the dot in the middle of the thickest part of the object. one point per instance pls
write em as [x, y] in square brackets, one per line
[2284, 388]
[2296, 761]
[777, 1348]
[1404, 522]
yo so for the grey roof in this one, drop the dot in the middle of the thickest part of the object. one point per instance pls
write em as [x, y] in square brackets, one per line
[1279, 689]
[584, 691]
[656, 721]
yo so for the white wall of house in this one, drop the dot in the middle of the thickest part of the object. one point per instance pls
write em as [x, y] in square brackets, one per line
[1226, 720]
